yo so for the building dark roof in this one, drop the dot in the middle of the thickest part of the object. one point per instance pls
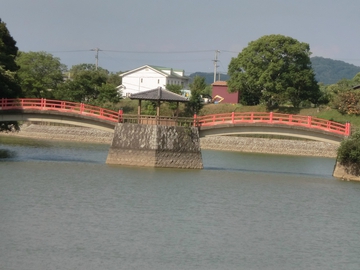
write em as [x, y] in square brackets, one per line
[159, 94]
[356, 87]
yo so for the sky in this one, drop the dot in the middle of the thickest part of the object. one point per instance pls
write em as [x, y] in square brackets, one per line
[177, 34]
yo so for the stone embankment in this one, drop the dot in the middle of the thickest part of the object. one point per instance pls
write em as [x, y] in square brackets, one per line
[225, 143]
[270, 146]
[64, 133]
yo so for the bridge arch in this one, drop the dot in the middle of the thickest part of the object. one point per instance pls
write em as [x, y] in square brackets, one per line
[58, 117]
[265, 129]
[269, 123]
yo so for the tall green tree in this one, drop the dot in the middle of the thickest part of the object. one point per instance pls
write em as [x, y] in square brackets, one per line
[274, 69]
[356, 79]
[40, 73]
[9, 85]
[197, 88]
[175, 88]
[114, 78]
[348, 154]
[89, 85]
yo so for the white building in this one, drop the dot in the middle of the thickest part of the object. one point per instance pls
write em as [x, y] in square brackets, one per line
[150, 77]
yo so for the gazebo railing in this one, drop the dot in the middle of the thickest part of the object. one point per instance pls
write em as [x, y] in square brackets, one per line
[156, 120]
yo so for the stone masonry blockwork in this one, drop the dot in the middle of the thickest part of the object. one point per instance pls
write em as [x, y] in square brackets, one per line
[155, 146]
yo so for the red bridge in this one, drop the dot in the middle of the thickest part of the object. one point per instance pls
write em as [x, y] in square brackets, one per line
[217, 124]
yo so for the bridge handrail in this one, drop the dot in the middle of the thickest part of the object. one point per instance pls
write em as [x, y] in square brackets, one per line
[274, 118]
[85, 109]
[206, 120]
[59, 105]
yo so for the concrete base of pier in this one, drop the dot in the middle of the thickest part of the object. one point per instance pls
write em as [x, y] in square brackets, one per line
[347, 173]
[155, 146]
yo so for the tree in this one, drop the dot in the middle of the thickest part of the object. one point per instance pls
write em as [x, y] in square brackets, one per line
[348, 102]
[348, 154]
[175, 88]
[40, 73]
[274, 69]
[88, 84]
[114, 78]
[197, 88]
[9, 86]
[356, 79]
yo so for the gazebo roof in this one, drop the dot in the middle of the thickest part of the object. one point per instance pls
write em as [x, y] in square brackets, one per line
[159, 94]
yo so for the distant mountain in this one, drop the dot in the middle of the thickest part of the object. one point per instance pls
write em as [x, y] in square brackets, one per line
[329, 71]
[209, 76]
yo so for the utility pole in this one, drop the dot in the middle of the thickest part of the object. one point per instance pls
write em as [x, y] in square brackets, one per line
[215, 63]
[96, 57]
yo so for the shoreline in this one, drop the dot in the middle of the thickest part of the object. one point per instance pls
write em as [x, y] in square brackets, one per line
[221, 143]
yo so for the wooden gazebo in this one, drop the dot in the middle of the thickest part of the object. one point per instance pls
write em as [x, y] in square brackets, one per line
[158, 95]
[156, 141]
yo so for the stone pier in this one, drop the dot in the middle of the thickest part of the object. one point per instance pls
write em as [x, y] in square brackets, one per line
[347, 172]
[155, 146]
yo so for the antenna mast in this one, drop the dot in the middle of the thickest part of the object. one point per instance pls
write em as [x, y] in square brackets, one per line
[215, 63]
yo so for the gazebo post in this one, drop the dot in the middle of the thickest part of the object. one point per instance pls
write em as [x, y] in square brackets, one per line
[177, 109]
[139, 110]
[158, 112]
[177, 113]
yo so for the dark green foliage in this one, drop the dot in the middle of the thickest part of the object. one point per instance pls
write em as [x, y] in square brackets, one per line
[149, 108]
[329, 71]
[9, 85]
[349, 152]
[341, 95]
[273, 70]
[197, 88]
[114, 79]
[348, 102]
[175, 88]
[40, 73]
[89, 85]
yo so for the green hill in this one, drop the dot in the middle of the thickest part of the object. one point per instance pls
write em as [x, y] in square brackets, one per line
[209, 76]
[329, 71]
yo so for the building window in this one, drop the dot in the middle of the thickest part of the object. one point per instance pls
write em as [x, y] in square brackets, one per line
[141, 80]
[158, 81]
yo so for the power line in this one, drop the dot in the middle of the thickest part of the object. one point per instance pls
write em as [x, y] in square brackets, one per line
[142, 52]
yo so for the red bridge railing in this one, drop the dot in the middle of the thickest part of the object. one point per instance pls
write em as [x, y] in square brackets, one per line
[59, 105]
[201, 121]
[274, 118]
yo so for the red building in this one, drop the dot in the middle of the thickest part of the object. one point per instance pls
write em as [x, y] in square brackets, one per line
[220, 93]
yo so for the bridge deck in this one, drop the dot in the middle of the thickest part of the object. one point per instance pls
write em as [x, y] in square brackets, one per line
[206, 122]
